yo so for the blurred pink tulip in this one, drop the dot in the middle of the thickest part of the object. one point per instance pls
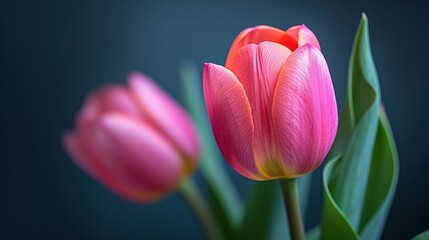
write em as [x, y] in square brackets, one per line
[272, 107]
[135, 140]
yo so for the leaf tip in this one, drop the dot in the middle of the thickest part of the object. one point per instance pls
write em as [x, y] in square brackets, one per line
[364, 18]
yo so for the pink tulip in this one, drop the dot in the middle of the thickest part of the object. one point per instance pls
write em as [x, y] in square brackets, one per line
[136, 140]
[272, 107]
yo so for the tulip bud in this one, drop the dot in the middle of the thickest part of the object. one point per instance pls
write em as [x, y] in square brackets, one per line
[272, 107]
[136, 140]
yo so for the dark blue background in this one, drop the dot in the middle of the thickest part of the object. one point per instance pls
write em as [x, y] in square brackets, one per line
[54, 52]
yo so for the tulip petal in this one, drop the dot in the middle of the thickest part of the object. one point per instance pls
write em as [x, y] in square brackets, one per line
[302, 35]
[117, 99]
[85, 159]
[257, 67]
[231, 118]
[254, 35]
[304, 112]
[109, 98]
[167, 115]
[292, 38]
[136, 153]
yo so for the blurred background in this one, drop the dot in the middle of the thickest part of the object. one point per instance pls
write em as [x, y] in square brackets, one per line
[54, 52]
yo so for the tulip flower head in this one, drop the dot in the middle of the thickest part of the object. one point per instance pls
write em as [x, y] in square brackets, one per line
[136, 140]
[272, 107]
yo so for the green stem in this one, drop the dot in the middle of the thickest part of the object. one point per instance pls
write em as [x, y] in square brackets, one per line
[293, 210]
[196, 202]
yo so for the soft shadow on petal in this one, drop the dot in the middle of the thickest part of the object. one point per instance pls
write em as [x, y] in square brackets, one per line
[304, 111]
[231, 118]
[166, 114]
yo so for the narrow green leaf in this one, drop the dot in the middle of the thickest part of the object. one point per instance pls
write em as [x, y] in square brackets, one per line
[335, 225]
[304, 184]
[314, 233]
[382, 182]
[344, 133]
[422, 236]
[363, 182]
[363, 99]
[280, 226]
[224, 199]
[264, 216]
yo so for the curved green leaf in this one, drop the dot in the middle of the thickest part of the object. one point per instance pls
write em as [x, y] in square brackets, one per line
[264, 216]
[304, 184]
[382, 181]
[363, 102]
[363, 182]
[422, 236]
[314, 233]
[335, 224]
[224, 200]
[381, 188]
